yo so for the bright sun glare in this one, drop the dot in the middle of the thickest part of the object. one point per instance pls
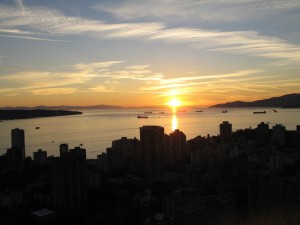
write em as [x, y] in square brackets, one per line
[174, 102]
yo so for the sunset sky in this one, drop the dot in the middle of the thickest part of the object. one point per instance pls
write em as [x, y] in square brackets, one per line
[140, 53]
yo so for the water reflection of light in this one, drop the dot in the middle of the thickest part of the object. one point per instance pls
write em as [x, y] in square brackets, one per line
[174, 120]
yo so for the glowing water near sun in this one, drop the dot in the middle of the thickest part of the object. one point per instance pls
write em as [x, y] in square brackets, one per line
[174, 119]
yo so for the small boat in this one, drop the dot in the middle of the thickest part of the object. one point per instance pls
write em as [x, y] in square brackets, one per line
[198, 110]
[37, 127]
[161, 112]
[139, 117]
[259, 112]
[148, 112]
[224, 111]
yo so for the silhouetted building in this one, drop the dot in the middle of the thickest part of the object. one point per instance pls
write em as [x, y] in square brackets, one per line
[263, 134]
[167, 150]
[115, 158]
[40, 156]
[63, 148]
[69, 180]
[177, 146]
[94, 181]
[15, 158]
[43, 216]
[10, 200]
[213, 209]
[268, 193]
[279, 134]
[172, 202]
[225, 132]
[124, 154]
[152, 149]
[277, 161]
[18, 140]
[159, 219]
[102, 162]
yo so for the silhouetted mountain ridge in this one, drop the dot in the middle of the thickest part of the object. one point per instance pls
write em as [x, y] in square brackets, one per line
[285, 101]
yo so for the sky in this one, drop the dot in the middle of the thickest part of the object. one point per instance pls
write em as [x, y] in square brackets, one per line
[145, 53]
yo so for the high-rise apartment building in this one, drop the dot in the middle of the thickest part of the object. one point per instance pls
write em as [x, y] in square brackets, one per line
[152, 150]
[263, 134]
[279, 134]
[18, 140]
[70, 180]
[177, 146]
[16, 154]
[225, 132]
[63, 148]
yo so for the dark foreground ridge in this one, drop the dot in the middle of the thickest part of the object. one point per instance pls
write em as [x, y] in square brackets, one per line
[285, 101]
[27, 114]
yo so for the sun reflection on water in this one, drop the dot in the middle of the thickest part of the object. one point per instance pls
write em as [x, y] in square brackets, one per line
[174, 120]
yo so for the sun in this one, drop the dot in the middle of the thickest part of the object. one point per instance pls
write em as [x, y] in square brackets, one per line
[174, 102]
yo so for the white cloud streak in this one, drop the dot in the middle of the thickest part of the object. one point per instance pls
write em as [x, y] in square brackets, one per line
[46, 82]
[207, 10]
[32, 38]
[54, 91]
[53, 22]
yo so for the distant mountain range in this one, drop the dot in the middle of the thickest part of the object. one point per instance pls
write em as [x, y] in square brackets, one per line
[285, 101]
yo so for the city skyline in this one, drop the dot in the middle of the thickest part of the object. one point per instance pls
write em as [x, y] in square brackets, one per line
[138, 53]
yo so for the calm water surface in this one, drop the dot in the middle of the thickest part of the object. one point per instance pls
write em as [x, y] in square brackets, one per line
[96, 129]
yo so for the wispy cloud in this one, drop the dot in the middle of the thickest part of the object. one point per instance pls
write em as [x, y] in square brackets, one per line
[192, 81]
[208, 10]
[111, 74]
[44, 79]
[209, 77]
[53, 22]
[237, 42]
[14, 31]
[100, 88]
[31, 38]
[54, 91]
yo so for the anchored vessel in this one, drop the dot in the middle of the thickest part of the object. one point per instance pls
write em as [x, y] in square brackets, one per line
[259, 112]
[139, 117]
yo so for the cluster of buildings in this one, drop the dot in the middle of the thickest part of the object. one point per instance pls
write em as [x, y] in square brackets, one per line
[149, 156]
[168, 180]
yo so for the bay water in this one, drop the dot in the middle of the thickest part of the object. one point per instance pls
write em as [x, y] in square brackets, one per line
[94, 130]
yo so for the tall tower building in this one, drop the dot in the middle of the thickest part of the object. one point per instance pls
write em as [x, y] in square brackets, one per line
[63, 148]
[177, 146]
[16, 154]
[225, 132]
[263, 133]
[18, 140]
[15, 159]
[152, 149]
[70, 180]
[279, 134]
